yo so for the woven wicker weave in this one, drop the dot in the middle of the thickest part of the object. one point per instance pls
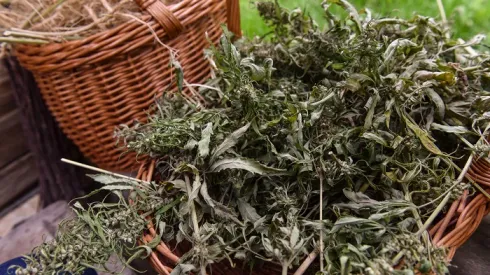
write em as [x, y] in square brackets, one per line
[451, 231]
[94, 84]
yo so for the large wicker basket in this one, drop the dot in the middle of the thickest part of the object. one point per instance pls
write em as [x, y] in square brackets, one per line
[94, 84]
[451, 231]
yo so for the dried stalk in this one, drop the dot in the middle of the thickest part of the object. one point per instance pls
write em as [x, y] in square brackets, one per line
[95, 169]
[307, 262]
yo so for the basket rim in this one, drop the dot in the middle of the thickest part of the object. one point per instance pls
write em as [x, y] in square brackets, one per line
[124, 38]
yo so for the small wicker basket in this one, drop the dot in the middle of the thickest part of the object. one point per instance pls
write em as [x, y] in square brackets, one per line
[94, 84]
[451, 231]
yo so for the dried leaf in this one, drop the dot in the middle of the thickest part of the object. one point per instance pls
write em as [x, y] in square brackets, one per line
[422, 136]
[450, 129]
[229, 142]
[205, 195]
[376, 138]
[247, 212]
[183, 269]
[205, 140]
[437, 100]
[248, 165]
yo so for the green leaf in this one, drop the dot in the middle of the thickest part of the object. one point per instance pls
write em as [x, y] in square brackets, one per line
[257, 73]
[196, 186]
[345, 267]
[342, 222]
[155, 242]
[248, 165]
[78, 205]
[205, 195]
[450, 129]
[205, 140]
[375, 138]
[396, 46]
[229, 142]
[353, 14]
[437, 100]
[315, 115]
[190, 144]
[361, 77]
[183, 269]
[169, 206]
[117, 187]
[106, 179]
[388, 111]
[294, 236]
[179, 73]
[247, 212]
[372, 102]
[422, 135]
[179, 184]
[352, 85]
[396, 213]
[357, 197]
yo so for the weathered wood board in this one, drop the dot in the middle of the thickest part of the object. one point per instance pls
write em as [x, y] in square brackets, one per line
[16, 178]
[18, 172]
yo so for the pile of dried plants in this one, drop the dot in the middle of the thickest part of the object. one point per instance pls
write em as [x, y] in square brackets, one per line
[339, 146]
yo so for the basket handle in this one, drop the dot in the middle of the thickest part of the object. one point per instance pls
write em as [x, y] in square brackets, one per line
[162, 15]
[233, 16]
[172, 25]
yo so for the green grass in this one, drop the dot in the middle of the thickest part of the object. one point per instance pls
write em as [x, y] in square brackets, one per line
[468, 18]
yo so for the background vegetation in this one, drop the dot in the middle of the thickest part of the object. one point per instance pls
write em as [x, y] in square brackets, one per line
[467, 17]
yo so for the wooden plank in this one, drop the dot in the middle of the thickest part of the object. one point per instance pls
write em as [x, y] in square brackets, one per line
[13, 143]
[57, 180]
[16, 178]
[7, 103]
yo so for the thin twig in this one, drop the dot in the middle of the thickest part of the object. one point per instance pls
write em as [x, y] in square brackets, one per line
[307, 262]
[172, 50]
[101, 170]
[442, 11]
[443, 203]
[11, 40]
[24, 34]
[42, 14]
[284, 269]
[398, 257]
[321, 221]
[443, 18]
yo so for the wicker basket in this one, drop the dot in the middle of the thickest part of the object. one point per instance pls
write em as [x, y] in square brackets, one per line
[451, 231]
[94, 84]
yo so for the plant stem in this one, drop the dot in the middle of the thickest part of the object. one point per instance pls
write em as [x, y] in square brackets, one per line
[306, 263]
[285, 268]
[398, 257]
[48, 10]
[321, 221]
[11, 40]
[443, 203]
[364, 187]
[101, 170]
[442, 11]
[434, 214]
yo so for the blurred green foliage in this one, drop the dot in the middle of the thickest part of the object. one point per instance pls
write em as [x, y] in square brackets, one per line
[467, 18]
